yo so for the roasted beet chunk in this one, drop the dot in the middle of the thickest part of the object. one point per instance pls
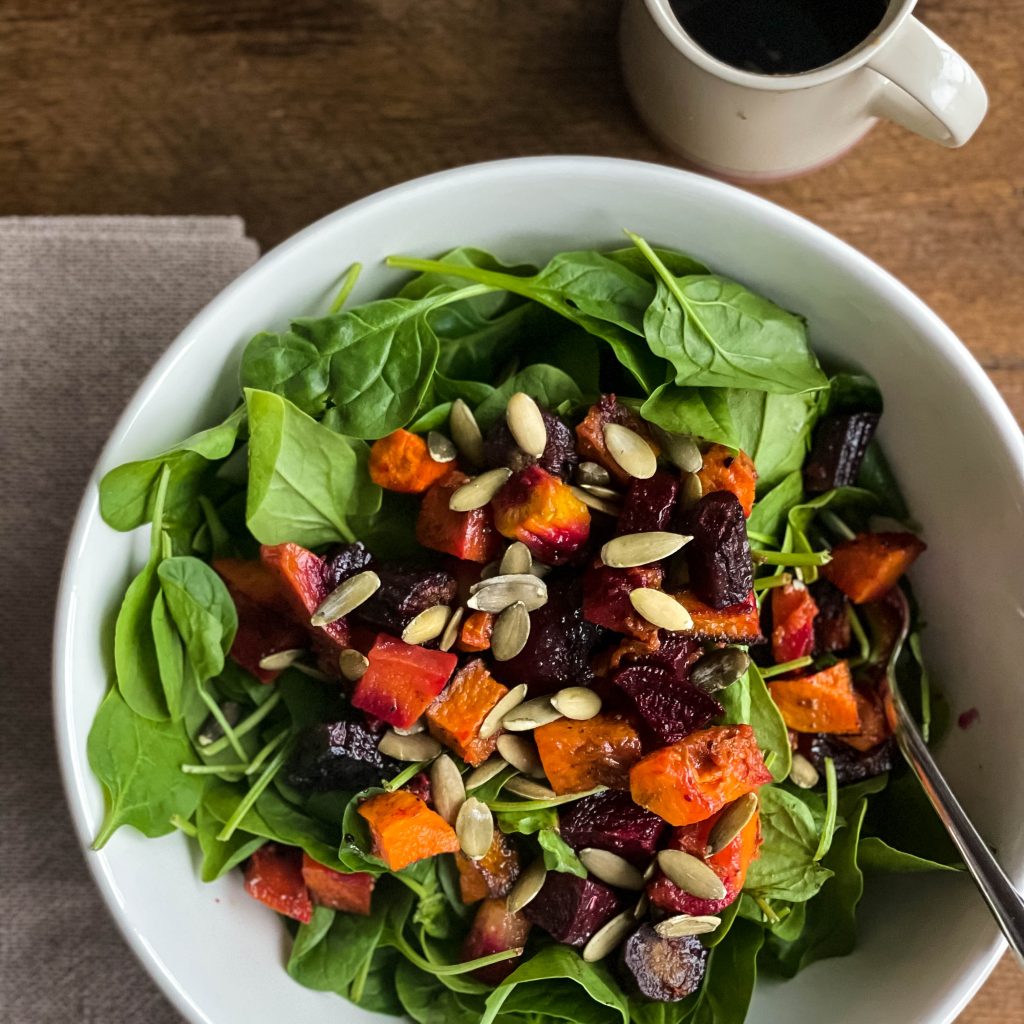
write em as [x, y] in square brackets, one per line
[649, 504]
[663, 969]
[721, 572]
[671, 707]
[840, 441]
[571, 909]
[338, 755]
[612, 821]
[344, 562]
[559, 458]
[606, 598]
[404, 592]
[851, 765]
[832, 624]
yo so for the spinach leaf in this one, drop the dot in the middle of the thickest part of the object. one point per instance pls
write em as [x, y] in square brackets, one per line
[558, 854]
[427, 1001]
[677, 262]
[289, 365]
[703, 412]
[748, 702]
[876, 854]
[853, 392]
[328, 952]
[527, 822]
[877, 476]
[770, 513]
[724, 997]
[305, 480]
[138, 763]
[170, 656]
[374, 987]
[546, 384]
[220, 856]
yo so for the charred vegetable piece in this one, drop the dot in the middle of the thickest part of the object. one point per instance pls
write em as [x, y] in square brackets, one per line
[726, 469]
[649, 504]
[330, 888]
[721, 572]
[458, 712]
[840, 443]
[251, 580]
[475, 634]
[793, 615]
[821, 702]
[571, 909]
[606, 599]
[670, 706]
[401, 680]
[490, 876]
[344, 562]
[832, 623]
[692, 779]
[302, 577]
[581, 755]
[404, 592]
[559, 458]
[664, 969]
[871, 564]
[263, 631]
[401, 462]
[851, 765]
[611, 821]
[273, 875]
[590, 441]
[419, 785]
[495, 929]
[404, 829]
[738, 623]
[467, 535]
[541, 511]
[874, 726]
[338, 755]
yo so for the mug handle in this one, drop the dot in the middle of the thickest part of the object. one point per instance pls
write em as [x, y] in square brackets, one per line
[929, 88]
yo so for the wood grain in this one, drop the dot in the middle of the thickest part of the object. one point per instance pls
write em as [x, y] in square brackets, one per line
[283, 112]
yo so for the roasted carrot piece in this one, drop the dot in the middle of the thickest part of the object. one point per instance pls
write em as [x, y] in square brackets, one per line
[793, 615]
[737, 623]
[822, 702]
[871, 564]
[727, 469]
[251, 579]
[467, 535]
[458, 712]
[874, 726]
[300, 574]
[273, 875]
[490, 876]
[590, 441]
[349, 893]
[690, 780]
[404, 829]
[401, 462]
[581, 755]
[475, 634]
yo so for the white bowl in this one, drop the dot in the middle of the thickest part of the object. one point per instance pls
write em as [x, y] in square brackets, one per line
[927, 943]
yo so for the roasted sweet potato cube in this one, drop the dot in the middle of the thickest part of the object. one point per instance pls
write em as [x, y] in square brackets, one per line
[251, 579]
[590, 434]
[793, 615]
[301, 574]
[495, 929]
[475, 634]
[606, 599]
[727, 469]
[737, 624]
[401, 462]
[581, 755]
[404, 829]
[874, 726]
[273, 875]
[822, 702]
[490, 876]
[346, 892]
[458, 712]
[871, 564]
[467, 535]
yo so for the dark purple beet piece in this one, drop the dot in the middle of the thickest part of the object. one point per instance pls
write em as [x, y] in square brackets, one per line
[649, 504]
[721, 572]
[345, 561]
[851, 765]
[663, 969]
[571, 909]
[559, 458]
[338, 755]
[677, 653]
[831, 624]
[404, 592]
[612, 821]
[671, 707]
[840, 441]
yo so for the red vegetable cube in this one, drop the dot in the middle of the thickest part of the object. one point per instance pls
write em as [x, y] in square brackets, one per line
[273, 876]
[301, 574]
[467, 535]
[793, 615]
[350, 893]
[606, 599]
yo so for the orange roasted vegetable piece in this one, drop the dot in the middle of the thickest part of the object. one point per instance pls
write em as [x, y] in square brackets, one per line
[871, 564]
[467, 535]
[726, 469]
[475, 634]
[822, 702]
[874, 726]
[793, 615]
[737, 623]
[404, 829]
[492, 875]
[401, 462]
[590, 441]
[690, 780]
[581, 755]
[347, 892]
[458, 712]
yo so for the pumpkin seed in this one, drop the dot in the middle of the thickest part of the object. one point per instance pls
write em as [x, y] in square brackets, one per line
[732, 822]
[530, 789]
[346, 597]
[428, 625]
[485, 772]
[691, 874]
[497, 593]
[353, 664]
[440, 448]
[592, 473]
[517, 560]
[489, 571]
[692, 491]
[609, 937]
[641, 907]
[313, 672]
[466, 433]
[802, 773]
[650, 870]
[528, 884]
[446, 788]
[632, 549]
[280, 660]
[492, 721]
[530, 715]
[599, 491]
[687, 924]
[632, 453]
[511, 631]
[419, 747]
[660, 609]
[609, 508]
[474, 826]
[682, 451]
[526, 423]
[420, 725]
[479, 491]
[521, 754]
[611, 868]
[576, 702]
[451, 631]
[720, 668]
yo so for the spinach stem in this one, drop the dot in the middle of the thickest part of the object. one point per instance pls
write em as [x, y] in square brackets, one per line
[786, 666]
[925, 686]
[761, 538]
[404, 776]
[230, 736]
[184, 825]
[245, 726]
[540, 805]
[859, 635]
[837, 524]
[213, 769]
[780, 579]
[255, 791]
[791, 558]
[348, 282]
[450, 970]
[766, 908]
[828, 828]
[266, 751]
[358, 986]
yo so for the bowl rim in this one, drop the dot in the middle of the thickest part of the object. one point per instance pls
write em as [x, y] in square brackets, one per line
[74, 769]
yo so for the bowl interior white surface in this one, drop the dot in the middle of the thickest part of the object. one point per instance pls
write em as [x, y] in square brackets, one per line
[926, 942]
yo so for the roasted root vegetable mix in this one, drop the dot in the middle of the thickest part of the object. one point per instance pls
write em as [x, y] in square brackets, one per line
[524, 638]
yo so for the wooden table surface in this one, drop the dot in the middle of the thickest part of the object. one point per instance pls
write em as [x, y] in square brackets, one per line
[282, 112]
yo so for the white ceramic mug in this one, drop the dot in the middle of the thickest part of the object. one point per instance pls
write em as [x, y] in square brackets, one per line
[757, 127]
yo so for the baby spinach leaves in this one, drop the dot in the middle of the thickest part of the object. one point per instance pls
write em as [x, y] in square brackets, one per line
[747, 702]
[558, 854]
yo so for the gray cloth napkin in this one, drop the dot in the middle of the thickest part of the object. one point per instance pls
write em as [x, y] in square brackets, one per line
[86, 306]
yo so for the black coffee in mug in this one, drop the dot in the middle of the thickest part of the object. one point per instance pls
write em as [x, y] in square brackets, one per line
[778, 37]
